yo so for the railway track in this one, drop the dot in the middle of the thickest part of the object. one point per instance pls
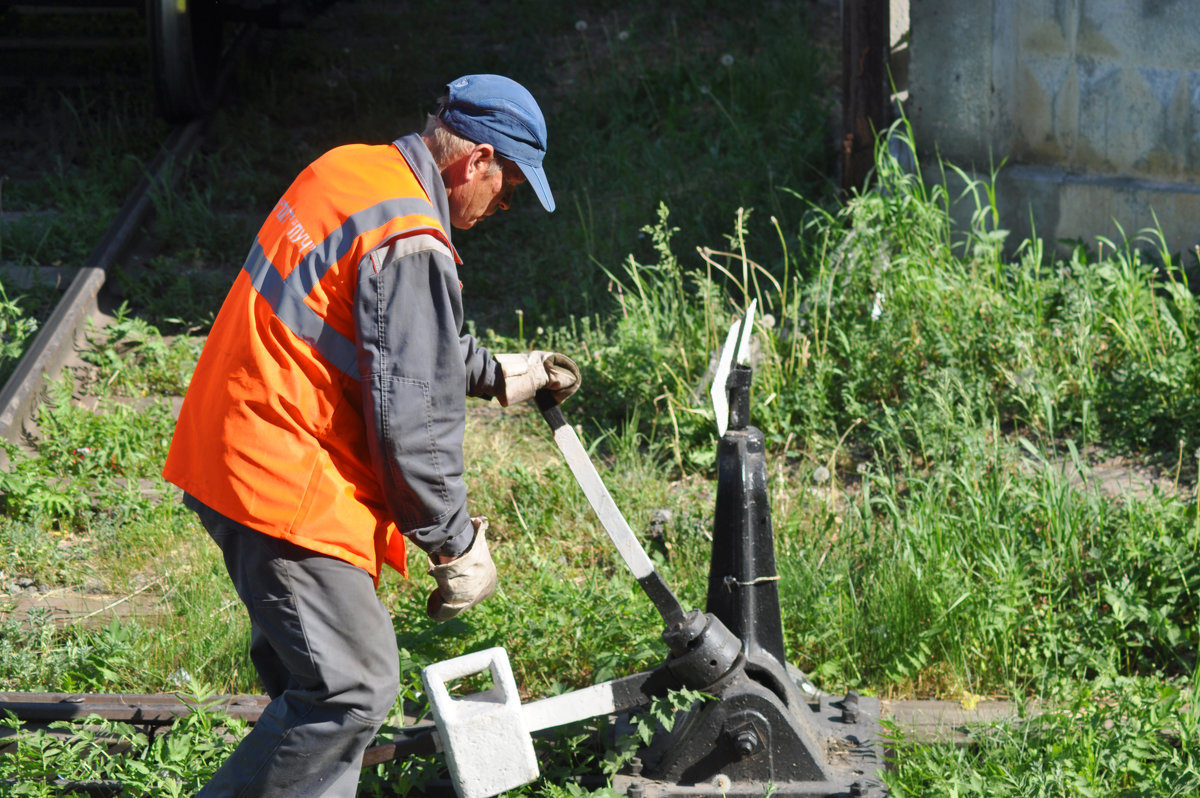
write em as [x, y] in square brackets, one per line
[922, 720]
[926, 721]
[76, 315]
[45, 357]
[54, 342]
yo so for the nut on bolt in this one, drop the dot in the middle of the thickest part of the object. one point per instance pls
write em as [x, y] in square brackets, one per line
[746, 743]
[745, 739]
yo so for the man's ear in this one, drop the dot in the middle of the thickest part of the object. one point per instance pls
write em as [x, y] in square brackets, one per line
[480, 159]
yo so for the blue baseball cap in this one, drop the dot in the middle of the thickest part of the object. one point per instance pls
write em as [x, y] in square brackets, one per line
[491, 109]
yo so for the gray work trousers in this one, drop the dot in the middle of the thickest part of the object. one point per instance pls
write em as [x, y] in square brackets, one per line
[325, 649]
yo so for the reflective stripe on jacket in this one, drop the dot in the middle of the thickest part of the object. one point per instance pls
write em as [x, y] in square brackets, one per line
[327, 406]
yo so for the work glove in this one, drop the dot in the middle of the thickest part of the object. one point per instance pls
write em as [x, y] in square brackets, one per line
[464, 581]
[526, 373]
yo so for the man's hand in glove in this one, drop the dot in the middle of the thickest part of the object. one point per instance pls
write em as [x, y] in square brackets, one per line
[464, 581]
[526, 373]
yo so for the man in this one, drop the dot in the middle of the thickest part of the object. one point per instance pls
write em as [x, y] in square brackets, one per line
[324, 423]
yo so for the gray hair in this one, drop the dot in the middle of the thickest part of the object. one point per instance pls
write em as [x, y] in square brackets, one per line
[447, 146]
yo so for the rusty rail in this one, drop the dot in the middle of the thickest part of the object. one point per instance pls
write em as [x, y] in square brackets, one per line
[140, 710]
[162, 709]
[53, 343]
[923, 720]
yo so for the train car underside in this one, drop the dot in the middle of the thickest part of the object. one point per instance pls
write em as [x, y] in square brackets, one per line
[187, 39]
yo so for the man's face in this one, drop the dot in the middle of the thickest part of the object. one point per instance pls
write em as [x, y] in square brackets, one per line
[475, 191]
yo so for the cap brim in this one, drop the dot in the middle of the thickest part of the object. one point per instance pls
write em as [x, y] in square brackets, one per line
[536, 176]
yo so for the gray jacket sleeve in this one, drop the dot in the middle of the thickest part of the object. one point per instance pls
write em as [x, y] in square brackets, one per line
[417, 368]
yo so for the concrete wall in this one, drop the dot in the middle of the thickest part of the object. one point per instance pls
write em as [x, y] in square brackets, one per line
[1093, 106]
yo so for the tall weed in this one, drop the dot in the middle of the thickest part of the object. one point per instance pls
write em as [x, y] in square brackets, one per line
[17, 328]
[94, 755]
[945, 387]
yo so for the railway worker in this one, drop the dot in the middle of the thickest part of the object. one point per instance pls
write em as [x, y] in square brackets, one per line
[324, 424]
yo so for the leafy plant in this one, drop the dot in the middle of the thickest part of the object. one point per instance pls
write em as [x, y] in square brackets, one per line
[175, 763]
[17, 329]
[133, 358]
[33, 654]
[660, 716]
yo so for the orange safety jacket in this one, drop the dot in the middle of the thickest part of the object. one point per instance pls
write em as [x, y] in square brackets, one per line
[327, 407]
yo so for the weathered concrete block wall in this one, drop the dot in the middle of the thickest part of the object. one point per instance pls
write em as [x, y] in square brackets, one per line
[1093, 106]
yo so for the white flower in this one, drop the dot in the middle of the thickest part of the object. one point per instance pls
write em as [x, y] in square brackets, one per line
[768, 321]
[1024, 377]
[581, 25]
[821, 474]
[623, 36]
[727, 60]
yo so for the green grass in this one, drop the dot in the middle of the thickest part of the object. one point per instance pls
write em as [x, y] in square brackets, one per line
[68, 183]
[1113, 737]
[934, 404]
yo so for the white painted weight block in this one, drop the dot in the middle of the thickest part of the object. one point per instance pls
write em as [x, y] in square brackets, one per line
[487, 743]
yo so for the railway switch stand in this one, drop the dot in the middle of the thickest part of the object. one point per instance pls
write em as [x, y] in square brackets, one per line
[765, 730]
[768, 725]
